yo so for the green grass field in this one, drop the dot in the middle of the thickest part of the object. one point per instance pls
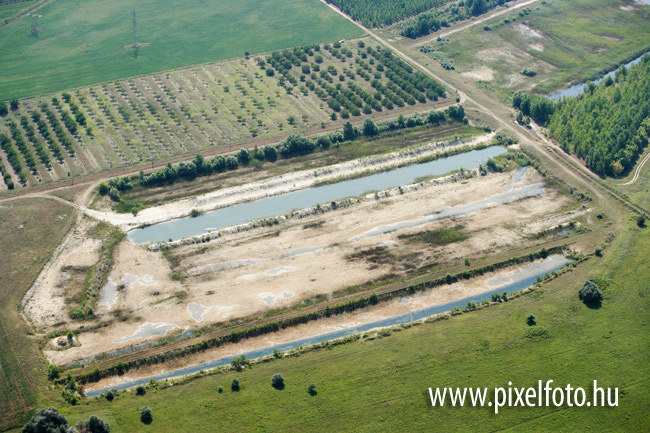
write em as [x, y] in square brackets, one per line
[8, 11]
[86, 42]
[574, 41]
[31, 230]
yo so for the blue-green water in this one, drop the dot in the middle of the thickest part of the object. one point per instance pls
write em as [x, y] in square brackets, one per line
[282, 204]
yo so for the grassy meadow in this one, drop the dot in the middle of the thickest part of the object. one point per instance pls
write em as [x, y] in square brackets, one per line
[564, 41]
[31, 230]
[89, 41]
[8, 11]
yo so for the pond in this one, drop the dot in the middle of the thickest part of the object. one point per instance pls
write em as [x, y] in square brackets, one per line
[577, 89]
[282, 204]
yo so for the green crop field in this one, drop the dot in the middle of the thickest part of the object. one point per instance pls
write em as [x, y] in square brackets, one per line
[86, 42]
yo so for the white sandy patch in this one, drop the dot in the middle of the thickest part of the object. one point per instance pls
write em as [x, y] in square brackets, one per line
[482, 73]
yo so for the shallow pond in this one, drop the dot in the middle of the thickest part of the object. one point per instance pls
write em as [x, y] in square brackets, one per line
[282, 204]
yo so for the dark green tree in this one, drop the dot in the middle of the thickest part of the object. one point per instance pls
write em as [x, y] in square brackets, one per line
[369, 128]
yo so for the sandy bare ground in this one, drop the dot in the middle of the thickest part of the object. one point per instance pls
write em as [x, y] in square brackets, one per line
[395, 307]
[270, 278]
[274, 186]
[45, 303]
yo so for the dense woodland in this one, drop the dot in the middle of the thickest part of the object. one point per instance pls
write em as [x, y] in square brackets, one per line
[435, 19]
[374, 13]
[608, 125]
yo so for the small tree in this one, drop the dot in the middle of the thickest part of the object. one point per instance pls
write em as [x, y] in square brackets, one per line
[110, 395]
[277, 381]
[220, 389]
[234, 385]
[53, 371]
[270, 153]
[145, 415]
[348, 132]
[640, 221]
[598, 251]
[140, 390]
[232, 163]
[114, 194]
[530, 319]
[244, 157]
[103, 188]
[13, 104]
[369, 128]
[311, 389]
[590, 294]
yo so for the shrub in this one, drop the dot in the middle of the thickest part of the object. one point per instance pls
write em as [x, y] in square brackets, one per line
[53, 371]
[277, 381]
[244, 157]
[110, 395]
[598, 251]
[140, 390]
[311, 389]
[195, 213]
[220, 389]
[529, 72]
[640, 221]
[93, 425]
[145, 415]
[590, 294]
[103, 189]
[232, 163]
[324, 142]
[234, 385]
[114, 194]
[240, 362]
[270, 153]
[467, 261]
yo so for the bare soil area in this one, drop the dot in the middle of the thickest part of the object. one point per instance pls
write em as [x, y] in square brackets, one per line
[248, 273]
[398, 306]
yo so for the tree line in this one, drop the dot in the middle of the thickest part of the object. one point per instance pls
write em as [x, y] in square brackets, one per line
[434, 20]
[374, 13]
[292, 146]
